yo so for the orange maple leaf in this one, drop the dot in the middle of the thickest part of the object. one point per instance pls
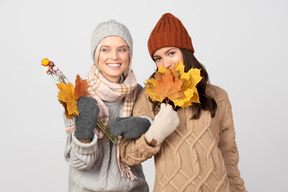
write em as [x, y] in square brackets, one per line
[164, 85]
[80, 88]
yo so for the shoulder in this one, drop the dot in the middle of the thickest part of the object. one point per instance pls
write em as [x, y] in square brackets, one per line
[142, 96]
[218, 93]
[223, 103]
[143, 106]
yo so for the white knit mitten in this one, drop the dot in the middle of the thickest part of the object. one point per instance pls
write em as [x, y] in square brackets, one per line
[165, 123]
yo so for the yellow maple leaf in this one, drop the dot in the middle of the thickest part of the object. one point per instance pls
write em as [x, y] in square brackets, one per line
[67, 99]
[66, 112]
[191, 79]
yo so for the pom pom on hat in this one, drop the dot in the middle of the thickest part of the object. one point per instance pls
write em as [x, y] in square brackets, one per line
[110, 28]
[169, 32]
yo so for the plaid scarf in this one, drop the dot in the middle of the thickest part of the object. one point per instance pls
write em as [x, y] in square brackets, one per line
[101, 89]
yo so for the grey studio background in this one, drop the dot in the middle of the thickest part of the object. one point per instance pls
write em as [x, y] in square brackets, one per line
[243, 45]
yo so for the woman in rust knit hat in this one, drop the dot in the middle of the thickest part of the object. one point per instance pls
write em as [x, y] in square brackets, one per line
[194, 148]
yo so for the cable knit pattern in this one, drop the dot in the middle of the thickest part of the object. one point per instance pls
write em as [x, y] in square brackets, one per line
[200, 155]
[93, 166]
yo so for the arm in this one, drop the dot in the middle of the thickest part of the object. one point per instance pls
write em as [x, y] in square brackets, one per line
[135, 151]
[81, 146]
[229, 149]
[80, 155]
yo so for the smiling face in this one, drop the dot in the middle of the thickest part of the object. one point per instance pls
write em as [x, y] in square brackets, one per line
[167, 56]
[113, 58]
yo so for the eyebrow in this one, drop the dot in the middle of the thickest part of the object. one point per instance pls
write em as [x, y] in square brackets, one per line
[164, 52]
[118, 47]
[169, 50]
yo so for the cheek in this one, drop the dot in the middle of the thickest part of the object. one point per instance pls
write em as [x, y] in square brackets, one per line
[125, 58]
[102, 57]
[177, 59]
[173, 61]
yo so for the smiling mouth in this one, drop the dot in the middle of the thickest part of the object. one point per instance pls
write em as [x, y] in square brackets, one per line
[114, 64]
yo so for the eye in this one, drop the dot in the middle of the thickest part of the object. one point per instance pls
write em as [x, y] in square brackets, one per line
[105, 50]
[122, 50]
[157, 59]
[171, 53]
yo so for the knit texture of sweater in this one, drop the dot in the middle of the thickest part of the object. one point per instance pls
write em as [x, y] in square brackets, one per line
[93, 166]
[200, 155]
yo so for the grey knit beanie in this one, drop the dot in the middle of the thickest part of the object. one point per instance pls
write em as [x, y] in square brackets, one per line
[110, 28]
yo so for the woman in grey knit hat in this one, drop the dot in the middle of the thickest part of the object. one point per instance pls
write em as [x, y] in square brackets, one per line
[112, 89]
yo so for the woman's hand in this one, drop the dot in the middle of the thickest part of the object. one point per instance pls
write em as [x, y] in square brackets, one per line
[165, 123]
[130, 127]
[86, 121]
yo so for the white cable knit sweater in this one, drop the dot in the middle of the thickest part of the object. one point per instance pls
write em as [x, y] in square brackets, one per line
[93, 166]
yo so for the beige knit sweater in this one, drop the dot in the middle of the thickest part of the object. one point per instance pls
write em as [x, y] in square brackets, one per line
[201, 155]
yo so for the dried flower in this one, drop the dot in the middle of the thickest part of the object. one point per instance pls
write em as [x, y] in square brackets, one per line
[45, 62]
[68, 95]
[55, 68]
[46, 69]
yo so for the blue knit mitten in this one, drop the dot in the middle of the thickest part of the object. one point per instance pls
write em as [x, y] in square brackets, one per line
[130, 127]
[87, 119]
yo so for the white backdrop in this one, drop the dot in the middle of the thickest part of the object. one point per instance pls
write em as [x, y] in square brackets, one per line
[243, 45]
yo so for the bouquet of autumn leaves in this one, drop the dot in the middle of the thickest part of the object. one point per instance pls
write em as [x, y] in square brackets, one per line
[69, 95]
[173, 84]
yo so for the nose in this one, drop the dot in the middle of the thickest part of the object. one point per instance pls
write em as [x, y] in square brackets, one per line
[114, 55]
[167, 63]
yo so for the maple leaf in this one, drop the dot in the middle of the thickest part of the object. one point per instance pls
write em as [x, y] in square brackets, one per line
[165, 84]
[175, 84]
[191, 79]
[80, 88]
[66, 95]
[66, 112]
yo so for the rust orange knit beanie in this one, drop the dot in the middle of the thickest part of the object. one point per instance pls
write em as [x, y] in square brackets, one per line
[169, 32]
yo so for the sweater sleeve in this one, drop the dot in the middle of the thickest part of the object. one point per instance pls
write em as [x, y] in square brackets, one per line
[135, 151]
[80, 155]
[228, 147]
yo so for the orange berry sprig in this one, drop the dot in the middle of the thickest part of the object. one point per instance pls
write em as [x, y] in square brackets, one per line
[51, 69]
